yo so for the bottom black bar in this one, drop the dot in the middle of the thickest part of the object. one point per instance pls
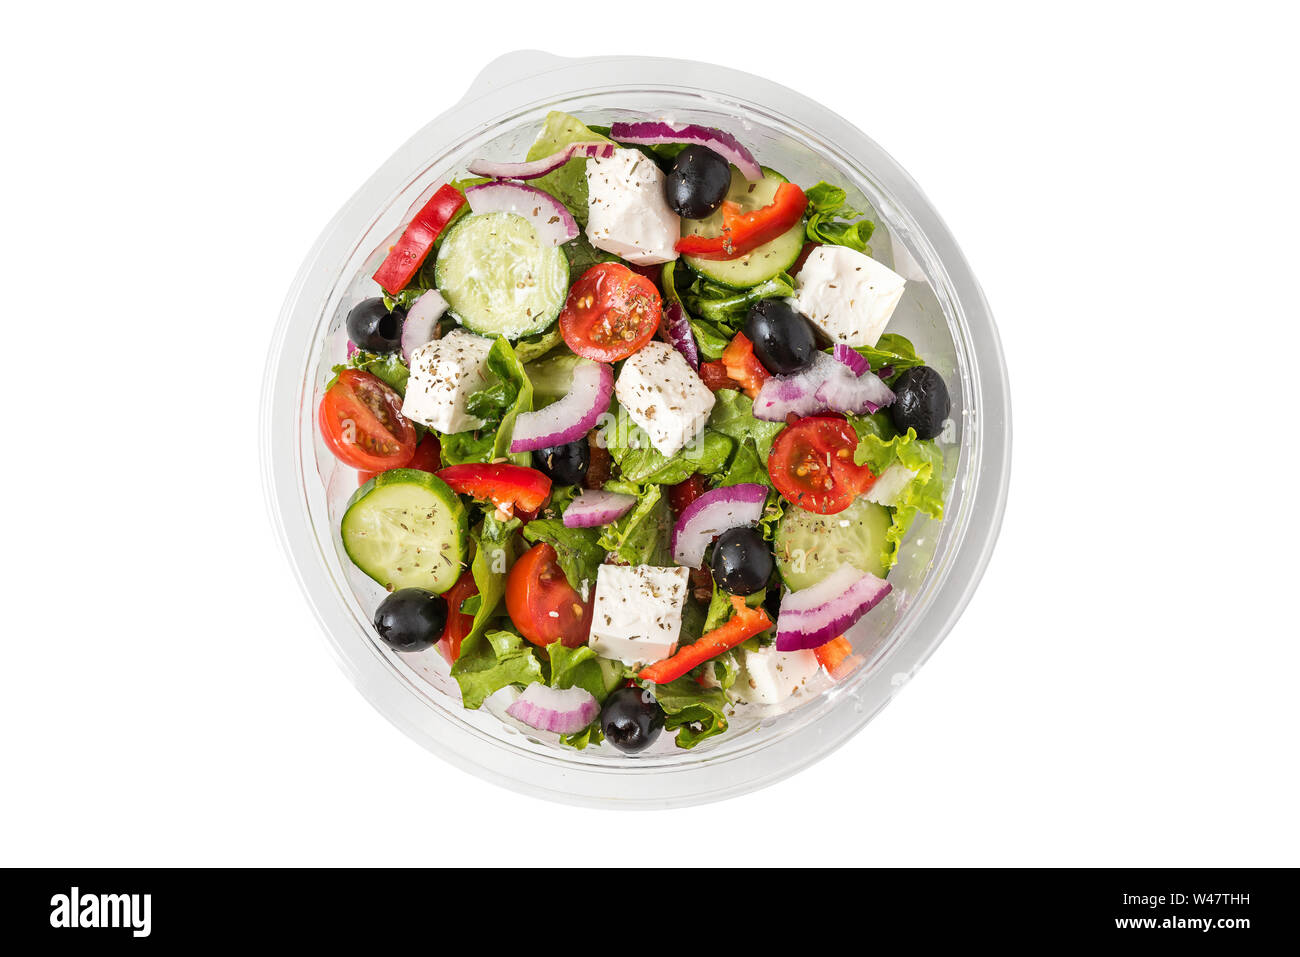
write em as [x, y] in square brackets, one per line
[102, 908]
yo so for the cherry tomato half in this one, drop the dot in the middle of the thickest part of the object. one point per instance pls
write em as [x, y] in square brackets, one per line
[541, 602]
[361, 422]
[812, 465]
[611, 312]
[427, 458]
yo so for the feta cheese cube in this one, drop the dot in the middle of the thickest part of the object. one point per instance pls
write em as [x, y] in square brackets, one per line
[627, 214]
[768, 676]
[637, 613]
[664, 396]
[443, 374]
[848, 295]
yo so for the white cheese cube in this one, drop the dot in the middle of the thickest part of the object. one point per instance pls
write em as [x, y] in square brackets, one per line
[664, 396]
[444, 373]
[768, 676]
[848, 295]
[637, 614]
[891, 483]
[627, 214]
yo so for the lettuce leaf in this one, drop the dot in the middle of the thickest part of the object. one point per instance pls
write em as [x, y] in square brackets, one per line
[641, 536]
[828, 219]
[533, 347]
[491, 661]
[465, 447]
[733, 415]
[728, 307]
[879, 446]
[694, 712]
[387, 366]
[641, 463]
[577, 549]
[893, 353]
[568, 184]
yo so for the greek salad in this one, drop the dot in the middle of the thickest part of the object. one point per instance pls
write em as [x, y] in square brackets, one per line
[635, 445]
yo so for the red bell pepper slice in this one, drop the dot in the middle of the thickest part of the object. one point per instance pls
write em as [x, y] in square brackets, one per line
[831, 654]
[714, 375]
[743, 232]
[508, 487]
[409, 252]
[743, 366]
[741, 626]
[683, 493]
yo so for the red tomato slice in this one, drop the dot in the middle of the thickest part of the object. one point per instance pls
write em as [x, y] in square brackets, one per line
[683, 493]
[611, 312]
[361, 422]
[427, 458]
[541, 602]
[812, 465]
[458, 623]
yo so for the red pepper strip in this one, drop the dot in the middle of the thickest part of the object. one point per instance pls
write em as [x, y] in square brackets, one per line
[744, 624]
[409, 252]
[683, 493]
[743, 366]
[743, 232]
[831, 654]
[506, 486]
[714, 375]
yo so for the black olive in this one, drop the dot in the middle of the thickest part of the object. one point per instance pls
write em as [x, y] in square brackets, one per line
[411, 619]
[698, 182]
[564, 464]
[783, 338]
[373, 327]
[631, 719]
[742, 562]
[920, 402]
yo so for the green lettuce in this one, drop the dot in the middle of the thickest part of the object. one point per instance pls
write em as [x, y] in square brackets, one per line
[491, 661]
[728, 307]
[879, 446]
[568, 184]
[640, 462]
[501, 402]
[465, 447]
[531, 348]
[641, 537]
[829, 219]
[552, 377]
[733, 416]
[891, 350]
[577, 550]
[746, 467]
[710, 338]
[693, 711]
[387, 366]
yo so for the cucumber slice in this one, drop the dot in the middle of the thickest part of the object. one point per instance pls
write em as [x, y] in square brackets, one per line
[498, 278]
[758, 264]
[808, 547]
[407, 529]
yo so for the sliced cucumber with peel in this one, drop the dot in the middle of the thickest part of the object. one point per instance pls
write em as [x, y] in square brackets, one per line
[407, 529]
[808, 546]
[498, 278]
[758, 264]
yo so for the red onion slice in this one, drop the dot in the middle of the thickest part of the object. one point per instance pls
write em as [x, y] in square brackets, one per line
[421, 325]
[570, 418]
[594, 507]
[825, 385]
[844, 392]
[562, 710]
[852, 358]
[554, 223]
[712, 514]
[539, 168]
[813, 616]
[679, 333]
[721, 142]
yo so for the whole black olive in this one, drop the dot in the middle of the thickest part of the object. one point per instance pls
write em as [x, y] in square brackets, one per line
[742, 562]
[564, 464]
[411, 619]
[782, 337]
[631, 719]
[373, 327]
[698, 182]
[920, 402]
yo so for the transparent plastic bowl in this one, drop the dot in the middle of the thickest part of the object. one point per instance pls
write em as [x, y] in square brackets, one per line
[943, 312]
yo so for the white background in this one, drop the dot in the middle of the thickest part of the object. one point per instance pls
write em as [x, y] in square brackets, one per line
[1122, 689]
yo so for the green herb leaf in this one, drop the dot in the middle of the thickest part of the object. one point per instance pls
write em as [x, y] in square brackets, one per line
[829, 219]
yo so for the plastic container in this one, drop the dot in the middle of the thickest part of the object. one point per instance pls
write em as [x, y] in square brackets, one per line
[943, 312]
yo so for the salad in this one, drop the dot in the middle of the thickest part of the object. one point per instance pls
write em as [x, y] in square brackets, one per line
[635, 445]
